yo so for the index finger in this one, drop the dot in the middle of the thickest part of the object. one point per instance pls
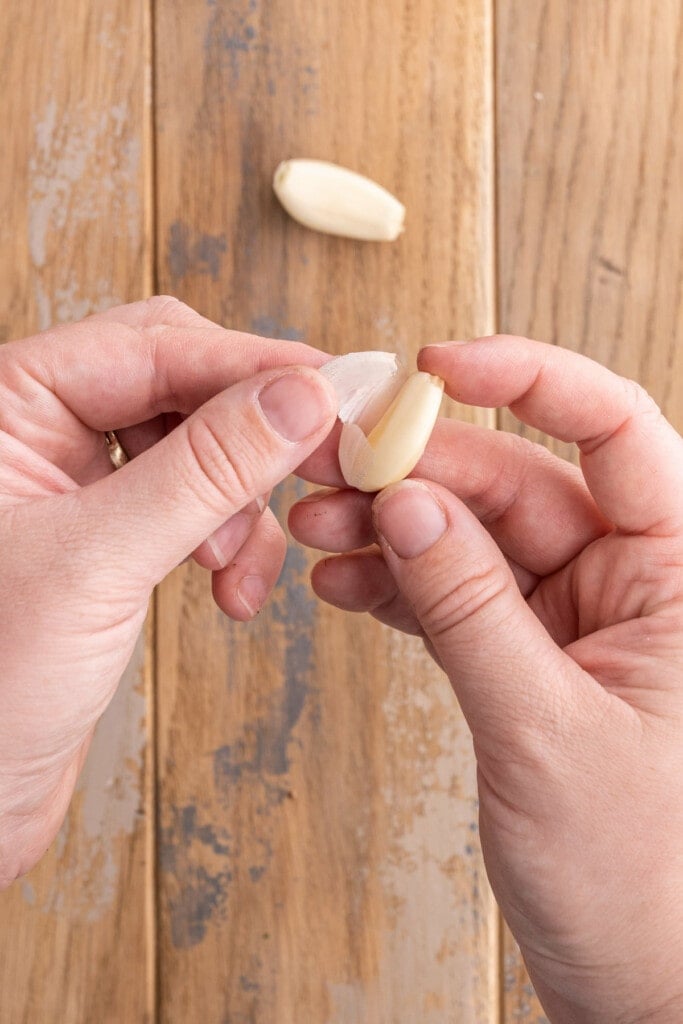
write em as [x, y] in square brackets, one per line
[132, 364]
[631, 457]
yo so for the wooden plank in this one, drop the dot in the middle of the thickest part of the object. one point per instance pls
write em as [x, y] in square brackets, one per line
[319, 851]
[590, 205]
[75, 942]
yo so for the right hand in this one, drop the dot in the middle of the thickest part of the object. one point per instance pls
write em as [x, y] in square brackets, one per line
[553, 599]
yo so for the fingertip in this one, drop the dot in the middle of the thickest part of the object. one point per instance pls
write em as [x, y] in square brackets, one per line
[216, 551]
[333, 520]
[298, 403]
[242, 588]
[441, 359]
[409, 518]
[251, 593]
[303, 510]
[318, 574]
[438, 350]
[243, 600]
[356, 582]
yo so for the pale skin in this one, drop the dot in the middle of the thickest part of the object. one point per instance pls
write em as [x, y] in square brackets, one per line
[83, 546]
[552, 598]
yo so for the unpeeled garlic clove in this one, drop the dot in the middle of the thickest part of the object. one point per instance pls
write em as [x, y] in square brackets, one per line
[387, 415]
[337, 201]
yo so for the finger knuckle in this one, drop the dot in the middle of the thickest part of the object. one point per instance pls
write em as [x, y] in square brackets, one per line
[501, 490]
[160, 307]
[637, 406]
[220, 472]
[465, 601]
[641, 401]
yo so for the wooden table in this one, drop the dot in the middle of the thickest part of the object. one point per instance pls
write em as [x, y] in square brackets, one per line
[278, 822]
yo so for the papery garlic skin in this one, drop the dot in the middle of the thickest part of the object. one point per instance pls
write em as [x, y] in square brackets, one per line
[337, 201]
[386, 430]
[366, 383]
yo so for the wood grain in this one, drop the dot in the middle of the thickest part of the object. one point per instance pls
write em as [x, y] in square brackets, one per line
[74, 939]
[318, 854]
[319, 858]
[590, 206]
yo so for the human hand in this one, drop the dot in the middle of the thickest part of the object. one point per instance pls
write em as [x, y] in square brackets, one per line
[553, 598]
[82, 546]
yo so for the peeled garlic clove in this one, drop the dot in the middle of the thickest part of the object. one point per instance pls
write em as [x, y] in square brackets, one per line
[395, 445]
[337, 201]
[387, 423]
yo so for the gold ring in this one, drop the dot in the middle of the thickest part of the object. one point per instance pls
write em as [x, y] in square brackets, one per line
[117, 453]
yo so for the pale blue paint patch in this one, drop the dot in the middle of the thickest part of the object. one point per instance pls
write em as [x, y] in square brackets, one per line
[260, 755]
[190, 254]
[196, 855]
[232, 37]
[248, 984]
[273, 327]
[201, 895]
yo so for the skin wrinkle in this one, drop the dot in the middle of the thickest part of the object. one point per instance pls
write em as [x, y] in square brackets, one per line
[641, 403]
[511, 488]
[53, 428]
[485, 502]
[351, 512]
[588, 764]
[584, 724]
[217, 464]
[529, 391]
[481, 589]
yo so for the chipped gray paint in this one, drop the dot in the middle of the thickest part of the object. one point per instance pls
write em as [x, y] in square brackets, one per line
[201, 860]
[110, 794]
[431, 870]
[263, 748]
[273, 327]
[201, 896]
[28, 892]
[194, 255]
[84, 169]
[232, 37]
[76, 175]
[196, 854]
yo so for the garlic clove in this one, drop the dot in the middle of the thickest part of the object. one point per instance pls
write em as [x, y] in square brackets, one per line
[337, 201]
[388, 417]
[397, 442]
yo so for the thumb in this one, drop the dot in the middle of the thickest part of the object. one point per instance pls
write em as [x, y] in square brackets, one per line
[512, 681]
[160, 506]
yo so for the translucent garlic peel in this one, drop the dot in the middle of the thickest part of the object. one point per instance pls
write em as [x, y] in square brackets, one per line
[366, 383]
[386, 429]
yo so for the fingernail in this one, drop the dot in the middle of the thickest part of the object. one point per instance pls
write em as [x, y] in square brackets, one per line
[308, 499]
[410, 519]
[230, 536]
[295, 405]
[215, 548]
[252, 593]
[447, 344]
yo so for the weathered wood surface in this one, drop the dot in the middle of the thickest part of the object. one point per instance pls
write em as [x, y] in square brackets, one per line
[590, 206]
[75, 941]
[318, 847]
[317, 855]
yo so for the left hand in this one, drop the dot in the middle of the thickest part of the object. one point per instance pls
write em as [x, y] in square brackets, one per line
[213, 420]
